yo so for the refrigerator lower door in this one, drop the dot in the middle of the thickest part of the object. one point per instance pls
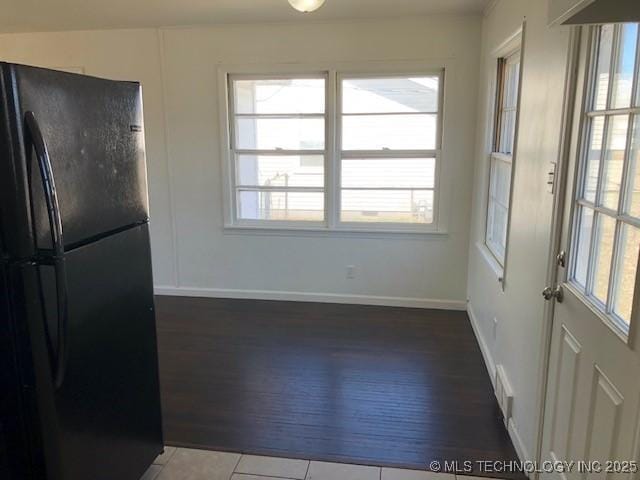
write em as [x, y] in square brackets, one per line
[15, 463]
[105, 418]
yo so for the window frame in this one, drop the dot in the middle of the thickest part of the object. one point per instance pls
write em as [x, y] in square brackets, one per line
[341, 154]
[588, 113]
[502, 64]
[509, 49]
[333, 130]
[234, 150]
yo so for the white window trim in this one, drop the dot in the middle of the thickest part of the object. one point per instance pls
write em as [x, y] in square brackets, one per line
[435, 153]
[509, 46]
[332, 224]
[232, 199]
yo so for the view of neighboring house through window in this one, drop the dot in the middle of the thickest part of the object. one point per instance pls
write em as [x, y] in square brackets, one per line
[501, 160]
[386, 130]
[606, 233]
[279, 148]
[389, 148]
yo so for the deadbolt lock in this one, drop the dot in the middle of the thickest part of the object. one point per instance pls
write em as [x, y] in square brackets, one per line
[550, 293]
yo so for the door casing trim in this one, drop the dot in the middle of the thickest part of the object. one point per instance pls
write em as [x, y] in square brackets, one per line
[568, 108]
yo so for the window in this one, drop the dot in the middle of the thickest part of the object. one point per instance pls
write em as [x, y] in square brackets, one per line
[364, 156]
[278, 148]
[389, 148]
[501, 158]
[606, 231]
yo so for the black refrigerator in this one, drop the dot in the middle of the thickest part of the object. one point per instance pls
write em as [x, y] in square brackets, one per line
[79, 391]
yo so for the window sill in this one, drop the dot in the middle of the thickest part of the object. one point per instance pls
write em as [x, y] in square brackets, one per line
[309, 231]
[497, 269]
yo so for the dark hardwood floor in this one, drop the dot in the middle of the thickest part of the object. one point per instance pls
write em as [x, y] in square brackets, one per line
[347, 383]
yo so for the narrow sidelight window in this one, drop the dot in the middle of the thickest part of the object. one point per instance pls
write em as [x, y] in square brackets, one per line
[501, 158]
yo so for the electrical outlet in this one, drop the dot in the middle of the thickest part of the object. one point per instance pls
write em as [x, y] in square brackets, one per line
[351, 271]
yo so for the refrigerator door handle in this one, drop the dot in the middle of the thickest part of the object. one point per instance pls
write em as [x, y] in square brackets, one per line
[57, 258]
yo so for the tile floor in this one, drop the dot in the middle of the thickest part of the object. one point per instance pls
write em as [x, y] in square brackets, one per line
[190, 464]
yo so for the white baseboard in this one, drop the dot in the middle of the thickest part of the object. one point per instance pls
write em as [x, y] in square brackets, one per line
[312, 297]
[484, 348]
[518, 444]
[489, 362]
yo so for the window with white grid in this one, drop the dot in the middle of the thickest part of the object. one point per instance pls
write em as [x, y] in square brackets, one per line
[334, 151]
[501, 158]
[278, 152]
[606, 228]
[389, 148]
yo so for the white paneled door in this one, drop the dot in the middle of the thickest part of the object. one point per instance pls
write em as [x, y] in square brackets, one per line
[592, 409]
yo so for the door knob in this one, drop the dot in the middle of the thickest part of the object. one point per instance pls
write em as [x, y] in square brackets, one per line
[550, 292]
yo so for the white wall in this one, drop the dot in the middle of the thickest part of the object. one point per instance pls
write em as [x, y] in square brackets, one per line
[421, 268]
[192, 253]
[516, 340]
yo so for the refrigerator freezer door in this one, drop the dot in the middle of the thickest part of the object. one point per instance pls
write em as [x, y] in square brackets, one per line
[104, 421]
[93, 129]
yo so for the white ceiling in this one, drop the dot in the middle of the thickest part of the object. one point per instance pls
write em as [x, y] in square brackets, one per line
[48, 15]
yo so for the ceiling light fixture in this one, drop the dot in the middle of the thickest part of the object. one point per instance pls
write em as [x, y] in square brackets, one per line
[306, 6]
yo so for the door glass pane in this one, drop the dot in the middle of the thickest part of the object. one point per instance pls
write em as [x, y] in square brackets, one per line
[280, 171]
[606, 227]
[623, 77]
[286, 205]
[389, 172]
[593, 159]
[396, 206]
[603, 67]
[633, 202]
[280, 133]
[393, 132]
[612, 140]
[614, 160]
[286, 95]
[584, 227]
[390, 95]
[626, 272]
